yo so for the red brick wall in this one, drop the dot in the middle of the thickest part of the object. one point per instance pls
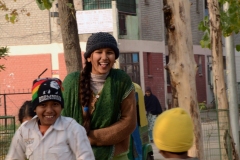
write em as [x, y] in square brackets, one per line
[154, 74]
[18, 77]
[62, 65]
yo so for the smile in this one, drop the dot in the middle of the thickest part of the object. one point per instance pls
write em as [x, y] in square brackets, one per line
[103, 64]
[49, 116]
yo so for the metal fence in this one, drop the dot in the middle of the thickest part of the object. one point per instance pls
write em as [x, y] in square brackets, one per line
[7, 130]
[216, 138]
[215, 127]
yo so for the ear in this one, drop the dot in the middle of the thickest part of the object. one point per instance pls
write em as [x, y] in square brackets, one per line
[88, 59]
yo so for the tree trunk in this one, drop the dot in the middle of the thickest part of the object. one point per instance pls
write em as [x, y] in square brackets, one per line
[182, 66]
[219, 87]
[68, 24]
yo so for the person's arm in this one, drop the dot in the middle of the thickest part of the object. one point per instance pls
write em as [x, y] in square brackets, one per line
[17, 147]
[79, 143]
[120, 130]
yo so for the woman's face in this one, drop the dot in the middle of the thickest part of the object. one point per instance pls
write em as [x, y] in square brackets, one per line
[148, 93]
[102, 60]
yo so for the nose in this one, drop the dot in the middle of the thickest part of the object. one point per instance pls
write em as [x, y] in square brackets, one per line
[49, 109]
[104, 55]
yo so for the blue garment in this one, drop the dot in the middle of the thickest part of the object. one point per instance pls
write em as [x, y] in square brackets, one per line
[137, 143]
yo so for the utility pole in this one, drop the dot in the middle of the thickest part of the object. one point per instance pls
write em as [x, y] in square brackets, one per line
[115, 28]
[231, 86]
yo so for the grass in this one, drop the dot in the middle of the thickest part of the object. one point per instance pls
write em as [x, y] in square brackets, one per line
[5, 140]
[7, 130]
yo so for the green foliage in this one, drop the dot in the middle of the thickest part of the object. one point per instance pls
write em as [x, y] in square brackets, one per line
[3, 54]
[70, 5]
[204, 26]
[202, 105]
[229, 22]
[12, 14]
[238, 47]
[47, 4]
[44, 4]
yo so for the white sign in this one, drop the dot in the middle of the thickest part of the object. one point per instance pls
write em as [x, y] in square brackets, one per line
[92, 21]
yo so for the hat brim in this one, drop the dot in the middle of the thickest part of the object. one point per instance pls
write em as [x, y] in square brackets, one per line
[102, 45]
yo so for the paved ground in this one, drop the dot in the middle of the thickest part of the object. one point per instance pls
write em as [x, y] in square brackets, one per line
[156, 154]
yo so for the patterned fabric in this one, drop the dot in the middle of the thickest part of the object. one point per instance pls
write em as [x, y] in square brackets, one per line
[151, 120]
[108, 106]
[46, 89]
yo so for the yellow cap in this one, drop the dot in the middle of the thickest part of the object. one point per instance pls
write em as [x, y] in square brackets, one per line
[173, 131]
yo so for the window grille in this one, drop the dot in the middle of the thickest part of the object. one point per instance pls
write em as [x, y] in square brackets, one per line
[129, 62]
[96, 4]
[126, 6]
[122, 23]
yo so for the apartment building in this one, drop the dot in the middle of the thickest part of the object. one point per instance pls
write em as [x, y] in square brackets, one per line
[35, 44]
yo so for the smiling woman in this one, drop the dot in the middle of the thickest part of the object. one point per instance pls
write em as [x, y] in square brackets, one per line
[102, 60]
[102, 99]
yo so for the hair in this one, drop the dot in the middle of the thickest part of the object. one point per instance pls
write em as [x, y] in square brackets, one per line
[26, 110]
[178, 153]
[85, 94]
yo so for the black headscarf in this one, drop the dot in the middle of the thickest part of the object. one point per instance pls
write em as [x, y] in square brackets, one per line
[152, 104]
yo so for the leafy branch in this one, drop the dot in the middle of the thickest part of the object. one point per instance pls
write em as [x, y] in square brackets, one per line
[12, 15]
[229, 23]
[3, 54]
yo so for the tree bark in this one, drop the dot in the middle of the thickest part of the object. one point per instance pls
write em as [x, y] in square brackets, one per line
[68, 24]
[219, 86]
[182, 66]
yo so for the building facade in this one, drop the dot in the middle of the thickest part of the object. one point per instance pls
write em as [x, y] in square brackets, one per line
[35, 44]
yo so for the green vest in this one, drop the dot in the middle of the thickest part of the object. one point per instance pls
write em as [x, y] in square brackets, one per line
[117, 87]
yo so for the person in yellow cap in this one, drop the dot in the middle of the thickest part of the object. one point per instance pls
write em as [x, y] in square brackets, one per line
[173, 134]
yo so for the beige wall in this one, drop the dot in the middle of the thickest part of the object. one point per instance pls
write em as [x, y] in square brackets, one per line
[34, 29]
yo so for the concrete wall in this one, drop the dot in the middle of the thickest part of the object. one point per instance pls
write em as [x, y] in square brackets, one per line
[197, 15]
[151, 24]
[34, 29]
[237, 60]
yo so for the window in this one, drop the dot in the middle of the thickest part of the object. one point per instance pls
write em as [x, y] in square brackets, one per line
[146, 2]
[206, 8]
[96, 4]
[127, 6]
[122, 23]
[200, 73]
[149, 69]
[129, 62]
